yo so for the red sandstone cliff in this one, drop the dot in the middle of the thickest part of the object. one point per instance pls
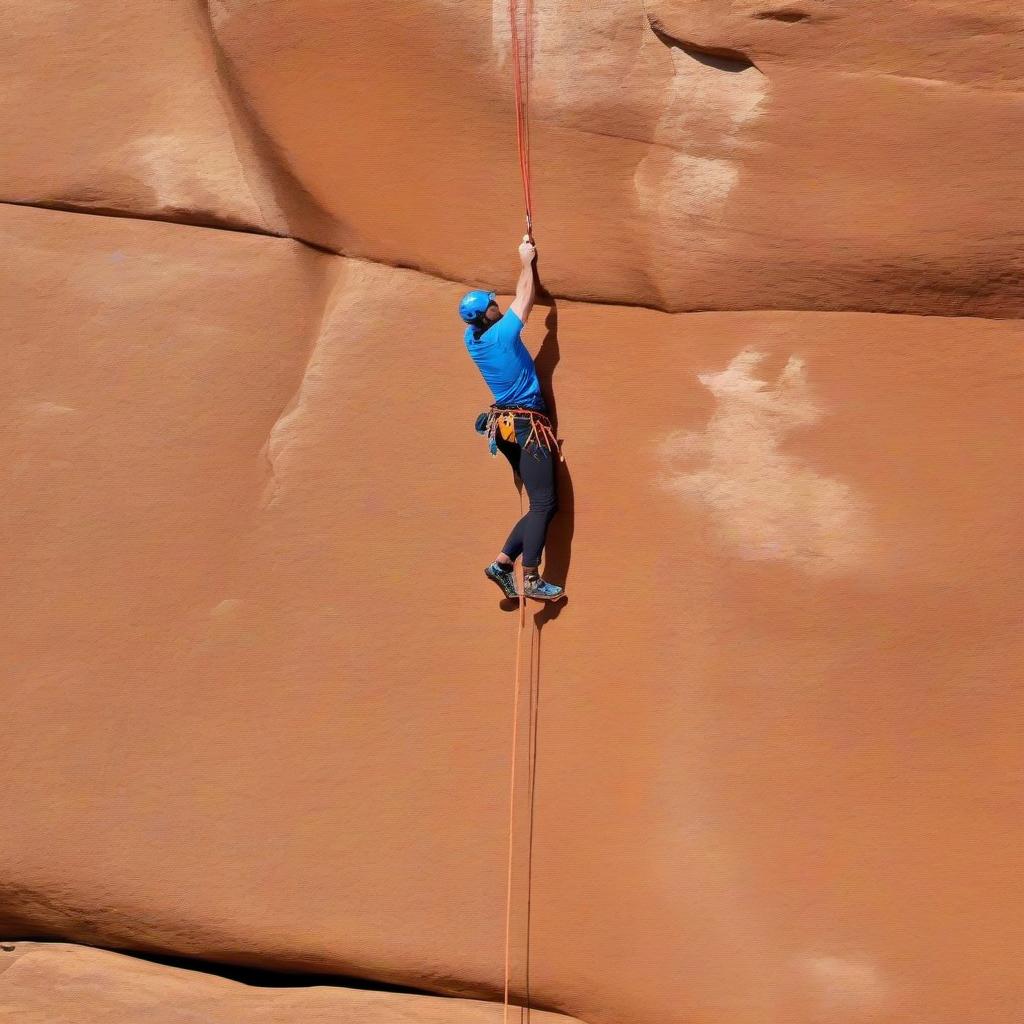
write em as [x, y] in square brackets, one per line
[257, 692]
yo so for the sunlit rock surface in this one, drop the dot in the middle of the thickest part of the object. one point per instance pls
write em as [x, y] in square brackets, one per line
[258, 694]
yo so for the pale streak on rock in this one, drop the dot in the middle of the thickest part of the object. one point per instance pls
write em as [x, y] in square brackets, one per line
[316, 376]
[768, 505]
[681, 188]
[846, 989]
[52, 409]
[168, 169]
[225, 607]
[282, 434]
[501, 32]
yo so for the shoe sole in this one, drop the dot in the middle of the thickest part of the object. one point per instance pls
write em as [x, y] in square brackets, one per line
[546, 600]
[512, 597]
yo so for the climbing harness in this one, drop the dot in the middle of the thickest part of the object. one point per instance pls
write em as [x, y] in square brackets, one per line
[501, 421]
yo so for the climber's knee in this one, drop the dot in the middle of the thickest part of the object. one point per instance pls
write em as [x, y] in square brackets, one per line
[545, 505]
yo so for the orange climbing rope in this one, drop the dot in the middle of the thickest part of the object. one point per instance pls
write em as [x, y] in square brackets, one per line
[512, 793]
[522, 58]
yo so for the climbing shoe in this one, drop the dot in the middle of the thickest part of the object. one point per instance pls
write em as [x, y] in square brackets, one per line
[540, 590]
[505, 578]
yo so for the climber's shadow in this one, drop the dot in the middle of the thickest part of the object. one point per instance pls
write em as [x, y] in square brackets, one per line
[558, 544]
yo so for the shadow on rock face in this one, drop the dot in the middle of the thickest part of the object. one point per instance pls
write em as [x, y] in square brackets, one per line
[558, 547]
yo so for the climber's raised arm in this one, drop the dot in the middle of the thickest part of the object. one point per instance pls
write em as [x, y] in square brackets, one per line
[526, 288]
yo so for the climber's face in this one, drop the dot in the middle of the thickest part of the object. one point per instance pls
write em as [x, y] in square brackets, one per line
[493, 313]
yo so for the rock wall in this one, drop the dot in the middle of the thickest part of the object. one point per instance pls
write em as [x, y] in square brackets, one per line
[59, 983]
[258, 693]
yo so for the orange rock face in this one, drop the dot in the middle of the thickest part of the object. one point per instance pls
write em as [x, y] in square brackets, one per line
[120, 108]
[861, 158]
[63, 984]
[258, 694]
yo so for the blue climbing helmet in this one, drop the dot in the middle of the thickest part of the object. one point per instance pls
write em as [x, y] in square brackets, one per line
[473, 305]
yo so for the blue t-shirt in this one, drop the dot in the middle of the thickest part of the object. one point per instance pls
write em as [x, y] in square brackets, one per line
[506, 365]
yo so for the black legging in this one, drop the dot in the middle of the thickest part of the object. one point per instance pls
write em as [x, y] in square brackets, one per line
[536, 468]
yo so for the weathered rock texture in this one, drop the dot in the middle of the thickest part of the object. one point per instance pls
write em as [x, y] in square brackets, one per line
[257, 691]
[64, 984]
[121, 108]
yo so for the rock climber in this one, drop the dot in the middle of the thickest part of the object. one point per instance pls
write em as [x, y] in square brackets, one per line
[517, 424]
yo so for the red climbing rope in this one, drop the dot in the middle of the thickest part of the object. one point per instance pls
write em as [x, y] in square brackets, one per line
[522, 59]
